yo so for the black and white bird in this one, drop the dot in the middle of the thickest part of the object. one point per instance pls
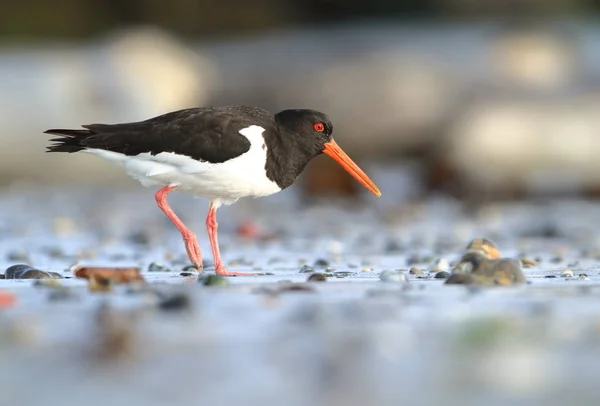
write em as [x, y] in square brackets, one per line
[220, 153]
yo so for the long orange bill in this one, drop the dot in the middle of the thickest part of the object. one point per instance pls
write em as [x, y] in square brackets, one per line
[333, 150]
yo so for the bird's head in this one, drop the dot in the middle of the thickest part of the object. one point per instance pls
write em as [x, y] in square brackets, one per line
[314, 133]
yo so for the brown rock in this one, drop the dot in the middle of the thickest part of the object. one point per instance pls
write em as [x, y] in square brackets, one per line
[485, 247]
[117, 275]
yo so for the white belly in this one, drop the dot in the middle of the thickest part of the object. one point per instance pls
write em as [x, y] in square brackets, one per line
[244, 176]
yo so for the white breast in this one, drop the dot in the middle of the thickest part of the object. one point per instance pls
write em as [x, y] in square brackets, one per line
[243, 176]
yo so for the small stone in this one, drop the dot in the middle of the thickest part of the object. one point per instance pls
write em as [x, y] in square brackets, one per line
[140, 238]
[317, 277]
[529, 263]
[366, 270]
[213, 280]
[190, 268]
[442, 275]
[185, 274]
[22, 271]
[155, 267]
[175, 303]
[556, 259]
[343, 274]
[566, 273]
[306, 269]
[62, 294]
[583, 277]
[505, 271]
[18, 256]
[415, 271]
[550, 276]
[484, 247]
[393, 276]
[441, 265]
[392, 246]
[321, 263]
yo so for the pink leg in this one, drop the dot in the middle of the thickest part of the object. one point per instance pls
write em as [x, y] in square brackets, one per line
[191, 242]
[211, 226]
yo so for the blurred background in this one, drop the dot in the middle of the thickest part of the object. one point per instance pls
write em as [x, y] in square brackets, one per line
[471, 98]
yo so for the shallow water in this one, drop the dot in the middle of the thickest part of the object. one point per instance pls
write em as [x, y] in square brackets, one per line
[351, 340]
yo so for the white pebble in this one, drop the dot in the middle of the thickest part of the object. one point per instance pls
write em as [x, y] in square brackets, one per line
[567, 274]
[441, 265]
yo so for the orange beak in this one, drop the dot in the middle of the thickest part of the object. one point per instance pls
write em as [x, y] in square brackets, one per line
[333, 150]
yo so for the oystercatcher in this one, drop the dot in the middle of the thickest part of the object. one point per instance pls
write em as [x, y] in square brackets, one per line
[220, 153]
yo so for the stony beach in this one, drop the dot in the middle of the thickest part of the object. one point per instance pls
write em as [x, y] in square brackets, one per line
[376, 324]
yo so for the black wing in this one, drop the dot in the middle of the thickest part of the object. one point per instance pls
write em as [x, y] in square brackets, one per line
[205, 134]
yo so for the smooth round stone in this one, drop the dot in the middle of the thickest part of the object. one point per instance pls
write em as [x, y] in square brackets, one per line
[415, 271]
[28, 272]
[322, 263]
[176, 303]
[393, 276]
[154, 267]
[442, 275]
[306, 269]
[566, 273]
[317, 277]
[440, 265]
[213, 280]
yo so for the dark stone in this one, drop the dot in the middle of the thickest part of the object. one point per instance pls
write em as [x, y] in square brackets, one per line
[154, 267]
[306, 269]
[317, 277]
[190, 268]
[213, 280]
[442, 275]
[22, 271]
[186, 274]
[175, 303]
[321, 263]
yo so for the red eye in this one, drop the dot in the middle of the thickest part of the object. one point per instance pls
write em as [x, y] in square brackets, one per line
[319, 127]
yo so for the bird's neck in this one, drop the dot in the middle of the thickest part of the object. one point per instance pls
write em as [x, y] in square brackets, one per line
[286, 159]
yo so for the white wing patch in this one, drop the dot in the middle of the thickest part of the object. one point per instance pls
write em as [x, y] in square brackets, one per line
[238, 177]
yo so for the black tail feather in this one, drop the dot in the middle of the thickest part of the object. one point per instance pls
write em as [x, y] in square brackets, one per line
[70, 140]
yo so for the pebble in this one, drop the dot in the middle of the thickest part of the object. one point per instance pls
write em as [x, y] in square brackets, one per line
[190, 268]
[484, 247]
[415, 271]
[187, 274]
[175, 302]
[566, 273]
[307, 269]
[550, 276]
[317, 277]
[18, 256]
[583, 277]
[22, 271]
[529, 263]
[366, 270]
[213, 280]
[393, 276]
[156, 267]
[62, 294]
[491, 272]
[442, 275]
[321, 263]
[441, 265]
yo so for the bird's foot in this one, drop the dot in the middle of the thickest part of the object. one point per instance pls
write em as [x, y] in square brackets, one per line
[222, 271]
[193, 251]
